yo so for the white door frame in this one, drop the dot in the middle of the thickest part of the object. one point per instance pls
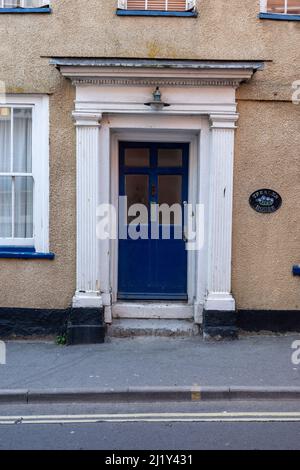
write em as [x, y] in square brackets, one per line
[212, 137]
[154, 136]
[194, 130]
[209, 273]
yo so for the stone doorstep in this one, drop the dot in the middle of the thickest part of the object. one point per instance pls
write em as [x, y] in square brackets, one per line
[125, 328]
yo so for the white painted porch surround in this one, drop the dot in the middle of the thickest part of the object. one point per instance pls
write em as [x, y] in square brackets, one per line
[110, 107]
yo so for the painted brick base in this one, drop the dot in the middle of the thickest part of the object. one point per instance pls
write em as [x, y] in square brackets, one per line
[82, 326]
[219, 325]
[226, 324]
[277, 321]
[22, 322]
[86, 326]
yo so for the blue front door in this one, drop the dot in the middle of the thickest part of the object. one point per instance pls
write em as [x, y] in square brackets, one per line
[154, 265]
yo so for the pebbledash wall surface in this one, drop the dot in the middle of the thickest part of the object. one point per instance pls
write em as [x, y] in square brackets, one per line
[265, 247]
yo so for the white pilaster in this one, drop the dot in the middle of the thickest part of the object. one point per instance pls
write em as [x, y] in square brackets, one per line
[219, 295]
[87, 155]
[104, 199]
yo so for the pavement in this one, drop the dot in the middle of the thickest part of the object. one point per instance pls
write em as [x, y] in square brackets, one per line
[147, 368]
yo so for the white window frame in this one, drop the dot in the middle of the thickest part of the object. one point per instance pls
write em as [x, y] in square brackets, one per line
[24, 4]
[40, 170]
[264, 8]
[189, 5]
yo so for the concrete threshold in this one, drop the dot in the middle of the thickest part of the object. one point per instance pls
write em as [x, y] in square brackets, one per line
[128, 328]
[148, 394]
[153, 310]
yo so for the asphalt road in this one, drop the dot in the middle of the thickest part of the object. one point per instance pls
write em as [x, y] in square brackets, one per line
[173, 426]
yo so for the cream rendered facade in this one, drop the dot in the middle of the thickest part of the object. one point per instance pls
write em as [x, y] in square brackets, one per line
[258, 113]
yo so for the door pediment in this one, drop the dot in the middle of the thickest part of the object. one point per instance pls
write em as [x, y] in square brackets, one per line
[118, 86]
[148, 72]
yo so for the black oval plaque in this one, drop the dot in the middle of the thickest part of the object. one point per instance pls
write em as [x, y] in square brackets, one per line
[265, 201]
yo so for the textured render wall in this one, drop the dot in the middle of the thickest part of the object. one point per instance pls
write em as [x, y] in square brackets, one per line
[51, 284]
[224, 30]
[265, 247]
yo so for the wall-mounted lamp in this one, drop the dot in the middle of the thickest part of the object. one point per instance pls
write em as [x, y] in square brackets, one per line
[157, 104]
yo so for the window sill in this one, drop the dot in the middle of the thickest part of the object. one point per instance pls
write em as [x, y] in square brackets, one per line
[185, 14]
[278, 17]
[26, 10]
[22, 252]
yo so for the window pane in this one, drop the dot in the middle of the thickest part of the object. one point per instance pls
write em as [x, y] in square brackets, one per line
[5, 206]
[22, 140]
[5, 136]
[278, 6]
[169, 158]
[137, 157]
[169, 192]
[12, 3]
[24, 3]
[137, 191]
[23, 207]
[171, 5]
[37, 3]
[293, 7]
[169, 189]
[275, 6]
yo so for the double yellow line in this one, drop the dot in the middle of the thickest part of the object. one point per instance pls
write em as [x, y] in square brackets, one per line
[291, 416]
